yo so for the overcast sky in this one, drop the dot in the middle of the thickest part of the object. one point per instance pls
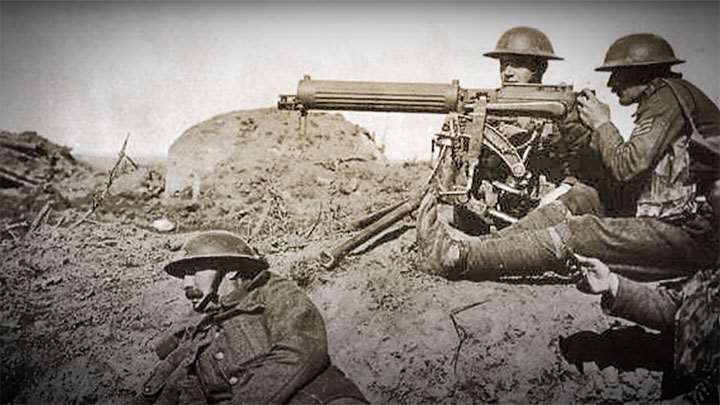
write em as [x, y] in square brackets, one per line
[85, 74]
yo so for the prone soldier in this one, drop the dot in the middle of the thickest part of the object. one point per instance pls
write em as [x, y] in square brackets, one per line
[256, 338]
[665, 223]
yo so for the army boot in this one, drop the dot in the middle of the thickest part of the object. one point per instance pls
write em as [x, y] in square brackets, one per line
[441, 247]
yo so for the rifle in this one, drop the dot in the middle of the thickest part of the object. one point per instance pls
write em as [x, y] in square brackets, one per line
[512, 123]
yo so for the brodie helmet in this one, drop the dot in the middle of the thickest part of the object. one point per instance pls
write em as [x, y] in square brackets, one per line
[525, 41]
[639, 50]
[216, 250]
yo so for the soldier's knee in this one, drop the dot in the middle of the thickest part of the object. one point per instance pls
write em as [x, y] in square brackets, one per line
[583, 199]
[581, 227]
[587, 191]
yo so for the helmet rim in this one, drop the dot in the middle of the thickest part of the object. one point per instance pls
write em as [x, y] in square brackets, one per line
[610, 66]
[189, 265]
[497, 54]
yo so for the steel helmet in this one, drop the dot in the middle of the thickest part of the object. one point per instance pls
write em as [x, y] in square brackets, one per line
[523, 41]
[639, 50]
[216, 250]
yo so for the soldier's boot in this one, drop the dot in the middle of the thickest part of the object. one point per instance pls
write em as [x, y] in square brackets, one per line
[518, 254]
[440, 246]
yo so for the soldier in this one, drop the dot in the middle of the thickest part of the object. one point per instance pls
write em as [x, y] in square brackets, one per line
[691, 318]
[256, 339]
[667, 225]
[523, 53]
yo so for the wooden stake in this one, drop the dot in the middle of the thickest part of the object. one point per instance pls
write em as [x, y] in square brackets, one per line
[39, 217]
[97, 201]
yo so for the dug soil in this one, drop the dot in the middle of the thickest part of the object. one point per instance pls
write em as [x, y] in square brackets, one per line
[84, 297]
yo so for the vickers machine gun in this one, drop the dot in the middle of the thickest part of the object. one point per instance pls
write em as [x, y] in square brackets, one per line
[499, 141]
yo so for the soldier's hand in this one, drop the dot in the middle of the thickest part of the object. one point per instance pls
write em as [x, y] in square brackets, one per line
[597, 277]
[593, 112]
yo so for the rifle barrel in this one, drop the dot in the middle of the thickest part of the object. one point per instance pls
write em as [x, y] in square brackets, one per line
[374, 216]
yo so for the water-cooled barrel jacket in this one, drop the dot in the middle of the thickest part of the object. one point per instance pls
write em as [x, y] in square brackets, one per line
[262, 347]
[692, 314]
[655, 157]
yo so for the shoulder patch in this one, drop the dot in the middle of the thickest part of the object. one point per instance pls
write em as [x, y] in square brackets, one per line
[643, 126]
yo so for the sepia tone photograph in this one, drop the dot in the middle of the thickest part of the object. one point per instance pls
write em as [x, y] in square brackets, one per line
[316, 202]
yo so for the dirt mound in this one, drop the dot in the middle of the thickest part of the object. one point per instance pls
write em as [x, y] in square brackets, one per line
[270, 175]
[82, 305]
[34, 171]
[256, 139]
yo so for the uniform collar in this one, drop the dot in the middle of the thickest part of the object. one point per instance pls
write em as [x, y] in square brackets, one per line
[234, 297]
[653, 86]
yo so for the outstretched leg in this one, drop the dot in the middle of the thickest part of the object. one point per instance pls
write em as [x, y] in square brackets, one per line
[450, 253]
[645, 243]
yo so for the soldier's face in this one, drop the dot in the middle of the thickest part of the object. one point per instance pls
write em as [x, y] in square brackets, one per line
[518, 69]
[202, 289]
[205, 287]
[626, 84]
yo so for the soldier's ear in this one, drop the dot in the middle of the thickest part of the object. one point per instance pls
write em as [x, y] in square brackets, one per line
[540, 69]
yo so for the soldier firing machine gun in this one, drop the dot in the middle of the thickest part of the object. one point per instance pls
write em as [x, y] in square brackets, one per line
[494, 138]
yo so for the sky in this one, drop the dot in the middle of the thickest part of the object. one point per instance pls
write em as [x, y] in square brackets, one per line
[85, 74]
